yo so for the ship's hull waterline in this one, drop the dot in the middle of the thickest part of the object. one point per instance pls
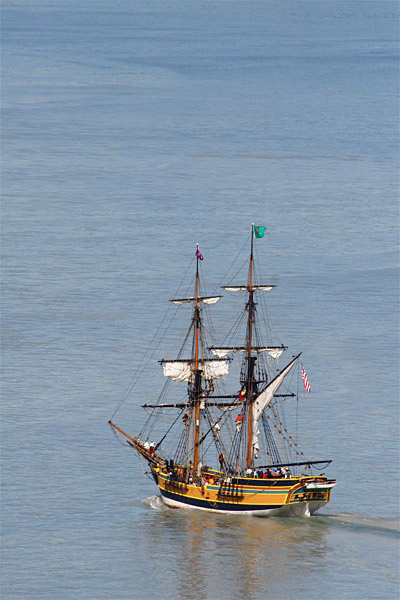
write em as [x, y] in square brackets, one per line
[281, 498]
[305, 509]
[216, 492]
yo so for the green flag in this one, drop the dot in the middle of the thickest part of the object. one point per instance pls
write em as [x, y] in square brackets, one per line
[259, 231]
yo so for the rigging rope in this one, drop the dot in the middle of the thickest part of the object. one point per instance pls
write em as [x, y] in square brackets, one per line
[234, 261]
[165, 435]
[139, 371]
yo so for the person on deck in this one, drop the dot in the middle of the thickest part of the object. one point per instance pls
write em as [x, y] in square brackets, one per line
[216, 428]
[238, 422]
[221, 459]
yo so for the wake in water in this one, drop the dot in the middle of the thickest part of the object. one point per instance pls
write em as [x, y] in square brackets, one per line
[154, 502]
[361, 522]
[388, 525]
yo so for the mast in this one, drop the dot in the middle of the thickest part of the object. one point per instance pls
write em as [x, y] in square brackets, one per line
[197, 372]
[250, 360]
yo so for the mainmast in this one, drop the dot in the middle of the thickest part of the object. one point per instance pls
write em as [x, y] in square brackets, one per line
[197, 372]
[250, 359]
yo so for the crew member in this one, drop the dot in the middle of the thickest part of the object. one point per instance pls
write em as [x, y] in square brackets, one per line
[238, 422]
[221, 459]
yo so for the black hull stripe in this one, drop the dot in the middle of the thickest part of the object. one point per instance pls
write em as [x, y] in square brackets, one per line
[266, 482]
[217, 505]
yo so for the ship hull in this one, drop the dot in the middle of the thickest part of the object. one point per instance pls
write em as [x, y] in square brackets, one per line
[283, 498]
[305, 509]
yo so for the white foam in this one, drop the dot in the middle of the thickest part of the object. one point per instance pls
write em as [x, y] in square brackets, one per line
[154, 502]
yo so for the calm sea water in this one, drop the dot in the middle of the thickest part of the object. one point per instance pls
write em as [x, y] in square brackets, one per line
[130, 131]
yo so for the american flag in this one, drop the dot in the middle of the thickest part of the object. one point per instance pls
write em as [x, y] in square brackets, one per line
[305, 379]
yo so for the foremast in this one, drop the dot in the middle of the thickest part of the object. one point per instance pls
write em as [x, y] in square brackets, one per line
[197, 371]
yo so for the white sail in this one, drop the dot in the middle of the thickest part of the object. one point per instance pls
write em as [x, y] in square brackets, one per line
[182, 370]
[210, 299]
[274, 351]
[221, 352]
[242, 288]
[263, 399]
[182, 301]
[204, 299]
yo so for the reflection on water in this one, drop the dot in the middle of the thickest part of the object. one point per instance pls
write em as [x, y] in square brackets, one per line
[254, 555]
[214, 556]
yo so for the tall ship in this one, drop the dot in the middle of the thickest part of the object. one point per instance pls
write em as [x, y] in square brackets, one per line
[217, 437]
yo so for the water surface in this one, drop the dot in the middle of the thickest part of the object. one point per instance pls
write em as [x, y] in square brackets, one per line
[130, 132]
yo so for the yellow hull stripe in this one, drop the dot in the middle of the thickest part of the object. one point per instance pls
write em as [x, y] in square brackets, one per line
[244, 496]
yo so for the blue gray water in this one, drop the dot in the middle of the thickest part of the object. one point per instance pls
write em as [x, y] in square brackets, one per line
[132, 130]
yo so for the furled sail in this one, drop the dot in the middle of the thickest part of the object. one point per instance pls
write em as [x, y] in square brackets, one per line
[204, 299]
[242, 288]
[264, 398]
[274, 351]
[183, 370]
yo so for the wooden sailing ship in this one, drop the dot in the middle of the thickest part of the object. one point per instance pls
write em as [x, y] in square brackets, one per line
[229, 452]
